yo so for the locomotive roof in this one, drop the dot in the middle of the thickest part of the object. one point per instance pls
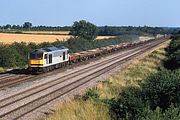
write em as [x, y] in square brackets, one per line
[51, 49]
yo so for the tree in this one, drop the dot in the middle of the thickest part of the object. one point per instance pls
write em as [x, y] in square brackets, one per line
[27, 25]
[84, 29]
[178, 32]
[8, 26]
[9, 56]
[16, 26]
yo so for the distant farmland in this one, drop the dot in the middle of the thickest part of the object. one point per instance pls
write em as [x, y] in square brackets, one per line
[8, 38]
[47, 32]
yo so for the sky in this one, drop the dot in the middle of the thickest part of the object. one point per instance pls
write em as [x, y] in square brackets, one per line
[161, 13]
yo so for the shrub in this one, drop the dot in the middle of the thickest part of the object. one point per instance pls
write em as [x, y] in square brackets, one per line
[9, 57]
[173, 61]
[171, 113]
[173, 51]
[162, 89]
[128, 105]
[2, 70]
[91, 94]
[173, 46]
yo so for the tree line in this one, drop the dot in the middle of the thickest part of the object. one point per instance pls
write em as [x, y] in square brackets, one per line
[110, 30]
[29, 26]
[101, 30]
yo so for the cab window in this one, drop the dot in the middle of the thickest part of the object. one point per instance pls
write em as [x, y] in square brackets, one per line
[45, 56]
[36, 56]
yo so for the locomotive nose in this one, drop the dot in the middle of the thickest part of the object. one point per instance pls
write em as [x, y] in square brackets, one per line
[36, 63]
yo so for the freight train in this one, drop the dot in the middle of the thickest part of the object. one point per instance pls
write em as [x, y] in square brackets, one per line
[50, 58]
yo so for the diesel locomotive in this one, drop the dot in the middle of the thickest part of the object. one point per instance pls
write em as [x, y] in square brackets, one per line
[47, 59]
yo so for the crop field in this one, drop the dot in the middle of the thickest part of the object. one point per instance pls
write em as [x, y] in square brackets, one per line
[48, 32]
[104, 37]
[8, 38]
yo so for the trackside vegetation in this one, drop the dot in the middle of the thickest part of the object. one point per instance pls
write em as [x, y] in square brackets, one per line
[16, 54]
[173, 52]
[146, 90]
[157, 97]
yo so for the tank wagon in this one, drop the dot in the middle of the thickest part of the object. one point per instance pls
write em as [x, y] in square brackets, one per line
[47, 59]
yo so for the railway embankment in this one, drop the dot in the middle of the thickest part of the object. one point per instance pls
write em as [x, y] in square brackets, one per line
[118, 96]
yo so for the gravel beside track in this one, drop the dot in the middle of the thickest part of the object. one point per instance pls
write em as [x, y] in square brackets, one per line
[16, 79]
[17, 105]
[6, 76]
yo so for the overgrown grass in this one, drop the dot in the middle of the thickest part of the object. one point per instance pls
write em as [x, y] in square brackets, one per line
[92, 109]
[81, 110]
[136, 72]
[2, 70]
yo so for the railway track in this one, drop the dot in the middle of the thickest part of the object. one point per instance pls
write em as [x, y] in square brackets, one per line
[6, 76]
[12, 79]
[68, 76]
[20, 104]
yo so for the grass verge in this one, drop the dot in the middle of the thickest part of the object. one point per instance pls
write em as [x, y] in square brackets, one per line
[2, 70]
[89, 106]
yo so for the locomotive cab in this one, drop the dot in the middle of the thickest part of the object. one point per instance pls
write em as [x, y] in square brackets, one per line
[36, 58]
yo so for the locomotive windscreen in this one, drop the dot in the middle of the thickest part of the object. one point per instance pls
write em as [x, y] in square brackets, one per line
[35, 56]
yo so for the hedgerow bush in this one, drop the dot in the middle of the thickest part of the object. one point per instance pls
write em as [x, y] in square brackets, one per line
[171, 113]
[162, 89]
[173, 51]
[154, 98]
[128, 105]
[91, 94]
[9, 56]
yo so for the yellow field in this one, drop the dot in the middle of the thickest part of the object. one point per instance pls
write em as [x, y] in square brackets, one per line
[104, 37]
[10, 38]
[48, 32]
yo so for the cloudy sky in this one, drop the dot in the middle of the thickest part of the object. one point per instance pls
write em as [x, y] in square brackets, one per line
[100, 12]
